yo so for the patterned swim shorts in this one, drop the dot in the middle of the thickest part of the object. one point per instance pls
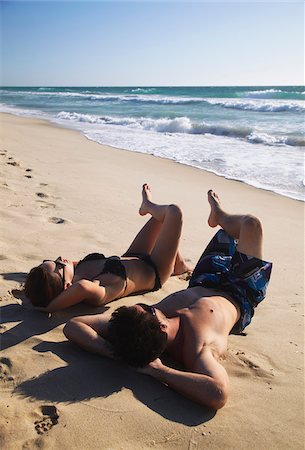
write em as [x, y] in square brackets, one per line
[244, 277]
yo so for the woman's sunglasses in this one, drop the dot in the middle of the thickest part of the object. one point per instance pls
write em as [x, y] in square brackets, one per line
[59, 264]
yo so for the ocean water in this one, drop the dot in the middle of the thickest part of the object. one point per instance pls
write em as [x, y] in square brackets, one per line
[252, 134]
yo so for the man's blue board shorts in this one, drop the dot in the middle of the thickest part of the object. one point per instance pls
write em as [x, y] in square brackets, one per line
[244, 277]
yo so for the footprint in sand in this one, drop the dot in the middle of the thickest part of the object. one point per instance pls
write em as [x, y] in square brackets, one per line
[50, 418]
[240, 362]
[5, 370]
[28, 176]
[44, 204]
[57, 220]
[43, 184]
[13, 163]
[42, 195]
[33, 443]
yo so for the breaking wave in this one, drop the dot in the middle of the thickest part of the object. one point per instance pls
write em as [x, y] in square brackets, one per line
[260, 106]
[183, 125]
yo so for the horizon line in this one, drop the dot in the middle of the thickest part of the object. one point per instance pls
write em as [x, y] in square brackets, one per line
[152, 86]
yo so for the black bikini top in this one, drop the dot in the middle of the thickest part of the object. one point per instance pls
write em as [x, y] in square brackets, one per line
[113, 265]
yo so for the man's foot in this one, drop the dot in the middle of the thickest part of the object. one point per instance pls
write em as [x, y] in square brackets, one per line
[146, 200]
[214, 201]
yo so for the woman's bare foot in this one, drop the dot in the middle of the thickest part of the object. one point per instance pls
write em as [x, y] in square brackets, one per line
[180, 266]
[214, 201]
[146, 200]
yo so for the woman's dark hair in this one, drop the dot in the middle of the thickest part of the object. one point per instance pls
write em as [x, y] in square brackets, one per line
[41, 287]
[136, 337]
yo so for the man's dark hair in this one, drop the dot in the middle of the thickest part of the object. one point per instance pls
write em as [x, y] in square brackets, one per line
[136, 336]
[41, 287]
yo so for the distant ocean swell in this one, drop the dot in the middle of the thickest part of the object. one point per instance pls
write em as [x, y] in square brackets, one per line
[271, 93]
[269, 106]
[184, 125]
[234, 92]
[297, 106]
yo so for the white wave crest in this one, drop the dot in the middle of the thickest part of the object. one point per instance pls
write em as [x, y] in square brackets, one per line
[184, 125]
[164, 125]
[260, 106]
[143, 90]
[144, 96]
[148, 99]
[267, 93]
[132, 98]
[264, 93]
[12, 109]
[267, 139]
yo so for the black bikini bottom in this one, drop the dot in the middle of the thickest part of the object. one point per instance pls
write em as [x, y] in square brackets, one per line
[147, 259]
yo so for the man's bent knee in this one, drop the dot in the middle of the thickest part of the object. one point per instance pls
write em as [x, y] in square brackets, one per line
[252, 224]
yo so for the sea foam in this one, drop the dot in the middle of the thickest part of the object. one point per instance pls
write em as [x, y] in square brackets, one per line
[184, 125]
[260, 106]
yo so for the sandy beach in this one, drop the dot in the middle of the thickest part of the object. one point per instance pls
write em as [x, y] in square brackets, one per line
[62, 194]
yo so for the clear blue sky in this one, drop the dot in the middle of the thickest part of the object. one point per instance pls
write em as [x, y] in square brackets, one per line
[152, 43]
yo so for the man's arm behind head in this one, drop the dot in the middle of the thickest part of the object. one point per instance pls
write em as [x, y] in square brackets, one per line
[89, 333]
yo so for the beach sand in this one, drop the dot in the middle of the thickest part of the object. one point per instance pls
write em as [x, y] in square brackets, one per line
[62, 194]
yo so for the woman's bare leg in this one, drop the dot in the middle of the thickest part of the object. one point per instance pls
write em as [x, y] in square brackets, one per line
[180, 266]
[146, 239]
[164, 252]
[246, 228]
[158, 212]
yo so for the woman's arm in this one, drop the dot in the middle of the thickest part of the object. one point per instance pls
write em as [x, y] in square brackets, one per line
[78, 292]
[88, 332]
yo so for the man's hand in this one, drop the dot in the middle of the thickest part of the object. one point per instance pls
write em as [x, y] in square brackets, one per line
[152, 368]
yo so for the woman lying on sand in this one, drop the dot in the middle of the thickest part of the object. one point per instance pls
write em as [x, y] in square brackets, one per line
[151, 258]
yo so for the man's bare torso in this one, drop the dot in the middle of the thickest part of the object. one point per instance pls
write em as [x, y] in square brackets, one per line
[206, 319]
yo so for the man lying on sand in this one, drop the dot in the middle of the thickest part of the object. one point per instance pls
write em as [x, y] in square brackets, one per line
[149, 261]
[192, 326]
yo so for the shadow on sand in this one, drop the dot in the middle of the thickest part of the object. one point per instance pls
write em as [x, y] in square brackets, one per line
[14, 276]
[87, 376]
[33, 322]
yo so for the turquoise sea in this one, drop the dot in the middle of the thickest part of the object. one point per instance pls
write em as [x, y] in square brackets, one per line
[252, 134]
